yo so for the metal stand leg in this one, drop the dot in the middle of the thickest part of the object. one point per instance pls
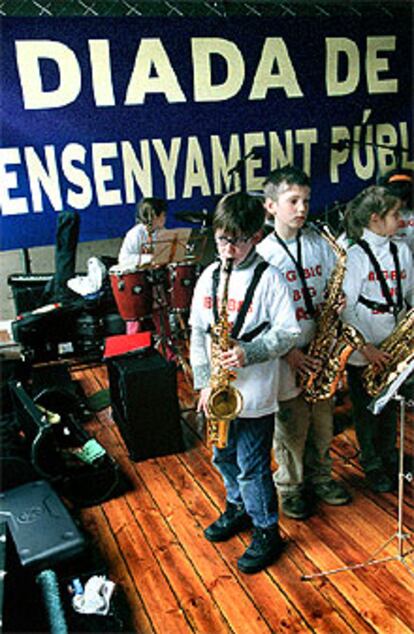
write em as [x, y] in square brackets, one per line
[400, 535]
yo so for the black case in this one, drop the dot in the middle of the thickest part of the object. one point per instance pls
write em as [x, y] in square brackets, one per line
[143, 388]
[81, 483]
[42, 529]
[28, 290]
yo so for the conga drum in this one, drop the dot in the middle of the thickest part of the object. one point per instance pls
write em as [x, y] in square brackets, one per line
[182, 277]
[132, 292]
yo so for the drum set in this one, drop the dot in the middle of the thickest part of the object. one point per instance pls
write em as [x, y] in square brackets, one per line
[157, 296]
[140, 291]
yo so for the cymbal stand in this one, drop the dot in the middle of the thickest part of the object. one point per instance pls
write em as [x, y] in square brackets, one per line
[161, 304]
[400, 535]
[183, 346]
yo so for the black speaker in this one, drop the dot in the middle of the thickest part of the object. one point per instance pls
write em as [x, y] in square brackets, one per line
[143, 389]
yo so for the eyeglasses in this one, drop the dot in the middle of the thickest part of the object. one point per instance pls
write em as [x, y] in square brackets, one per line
[238, 241]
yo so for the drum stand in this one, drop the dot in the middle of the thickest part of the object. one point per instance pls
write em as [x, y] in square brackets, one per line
[400, 535]
[163, 339]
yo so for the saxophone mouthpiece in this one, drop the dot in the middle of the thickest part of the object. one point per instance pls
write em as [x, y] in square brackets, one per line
[228, 266]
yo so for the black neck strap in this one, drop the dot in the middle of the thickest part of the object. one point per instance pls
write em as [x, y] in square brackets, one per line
[391, 305]
[241, 316]
[299, 268]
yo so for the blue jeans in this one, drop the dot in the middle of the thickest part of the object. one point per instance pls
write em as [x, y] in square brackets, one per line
[245, 468]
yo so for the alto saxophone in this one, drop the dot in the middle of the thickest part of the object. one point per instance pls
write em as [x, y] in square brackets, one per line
[333, 341]
[225, 401]
[400, 345]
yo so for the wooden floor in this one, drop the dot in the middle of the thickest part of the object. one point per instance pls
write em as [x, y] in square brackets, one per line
[177, 582]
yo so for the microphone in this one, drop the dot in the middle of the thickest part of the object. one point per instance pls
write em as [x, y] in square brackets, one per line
[239, 165]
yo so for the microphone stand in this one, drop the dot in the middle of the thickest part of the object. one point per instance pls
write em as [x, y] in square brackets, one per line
[238, 169]
[400, 534]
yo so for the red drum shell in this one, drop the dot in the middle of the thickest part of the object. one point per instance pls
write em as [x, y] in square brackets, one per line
[182, 278]
[132, 292]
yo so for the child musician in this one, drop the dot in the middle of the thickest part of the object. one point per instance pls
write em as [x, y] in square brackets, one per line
[400, 182]
[150, 216]
[264, 327]
[303, 431]
[379, 283]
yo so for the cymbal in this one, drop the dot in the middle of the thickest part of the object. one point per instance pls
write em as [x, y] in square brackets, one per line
[195, 217]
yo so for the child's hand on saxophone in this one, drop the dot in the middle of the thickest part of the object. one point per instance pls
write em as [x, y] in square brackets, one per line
[203, 400]
[234, 357]
[376, 356]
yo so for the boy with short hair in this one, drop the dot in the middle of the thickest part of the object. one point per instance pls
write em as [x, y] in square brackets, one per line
[303, 431]
[264, 327]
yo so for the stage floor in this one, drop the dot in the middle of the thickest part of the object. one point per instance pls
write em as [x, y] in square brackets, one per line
[177, 582]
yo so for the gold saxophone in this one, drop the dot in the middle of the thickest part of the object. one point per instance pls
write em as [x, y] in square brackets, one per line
[400, 345]
[333, 341]
[225, 401]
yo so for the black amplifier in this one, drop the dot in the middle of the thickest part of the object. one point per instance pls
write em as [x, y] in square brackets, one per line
[143, 388]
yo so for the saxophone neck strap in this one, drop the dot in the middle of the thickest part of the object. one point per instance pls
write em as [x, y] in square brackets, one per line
[238, 324]
[390, 305]
[216, 280]
[310, 308]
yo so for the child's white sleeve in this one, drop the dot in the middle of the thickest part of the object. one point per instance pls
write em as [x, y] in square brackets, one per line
[284, 330]
[199, 354]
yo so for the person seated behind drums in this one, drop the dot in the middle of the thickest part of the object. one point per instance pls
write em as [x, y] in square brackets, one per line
[150, 217]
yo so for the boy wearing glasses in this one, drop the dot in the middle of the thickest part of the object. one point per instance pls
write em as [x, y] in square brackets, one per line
[303, 431]
[263, 328]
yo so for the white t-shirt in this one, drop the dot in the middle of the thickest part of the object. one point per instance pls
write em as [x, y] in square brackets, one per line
[318, 260]
[258, 383]
[360, 280]
[132, 244]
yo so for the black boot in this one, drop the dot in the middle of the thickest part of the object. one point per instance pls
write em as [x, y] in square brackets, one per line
[265, 548]
[233, 520]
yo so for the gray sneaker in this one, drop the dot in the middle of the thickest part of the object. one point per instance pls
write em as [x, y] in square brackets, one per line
[332, 492]
[295, 505]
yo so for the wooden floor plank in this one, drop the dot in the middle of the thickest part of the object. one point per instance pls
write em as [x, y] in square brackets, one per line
[176, 581]
[184, 579]
[152, 584]
[201, 474]
[219, 580]
[281, 581]
[95, 523]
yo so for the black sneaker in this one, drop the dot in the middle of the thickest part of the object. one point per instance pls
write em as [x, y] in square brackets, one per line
[332, 492]
[233, 520]
[265, 548]
[295, 505]
[392, 471]
[378, 481]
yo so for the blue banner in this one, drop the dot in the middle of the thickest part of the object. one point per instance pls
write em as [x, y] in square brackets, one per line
[98, 112]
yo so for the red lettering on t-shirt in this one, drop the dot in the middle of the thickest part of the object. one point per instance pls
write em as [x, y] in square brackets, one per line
[301, 314]
[298, 293]
[233, 305]
[388, 275]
